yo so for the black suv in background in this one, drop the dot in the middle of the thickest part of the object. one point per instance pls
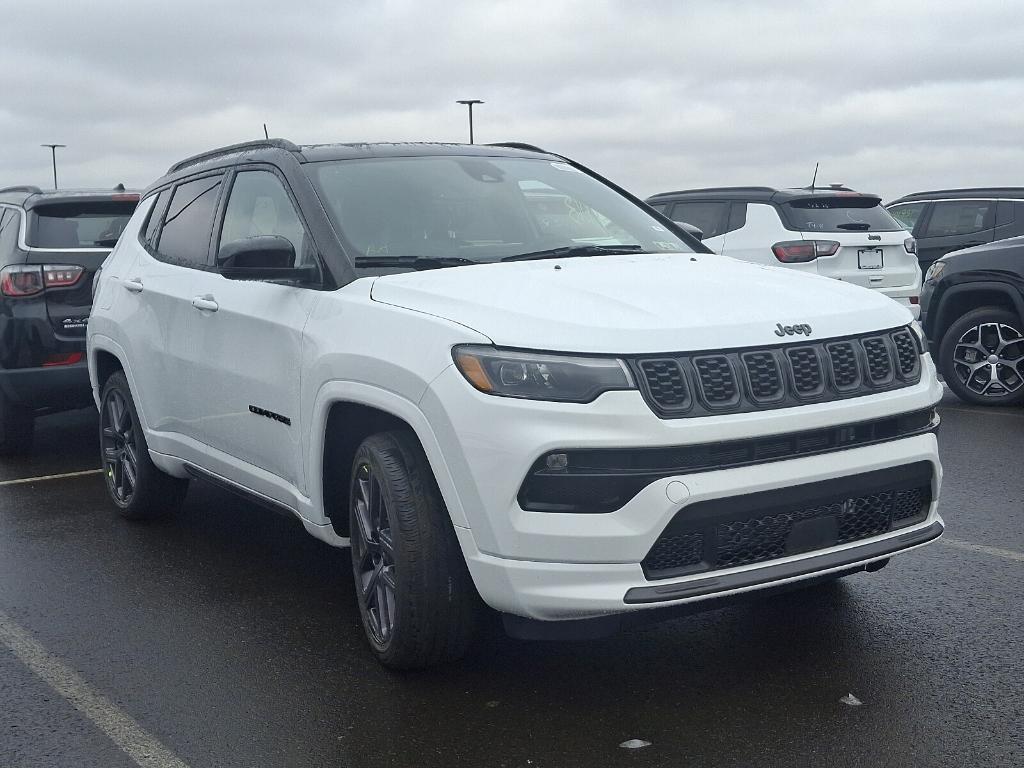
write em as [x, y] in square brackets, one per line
[51, 243]
[972, 309]
[949, 220]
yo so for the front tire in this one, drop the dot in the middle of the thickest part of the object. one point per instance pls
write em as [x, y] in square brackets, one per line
[17, 428]
[136, 486]
[416, 598]
[982, 357]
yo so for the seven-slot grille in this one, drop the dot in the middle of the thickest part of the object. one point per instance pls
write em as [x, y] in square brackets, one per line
[737, 381]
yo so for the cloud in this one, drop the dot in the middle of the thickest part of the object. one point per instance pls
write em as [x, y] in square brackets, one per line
[656, 95]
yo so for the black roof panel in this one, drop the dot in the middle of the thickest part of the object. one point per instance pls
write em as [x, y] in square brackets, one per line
[1013, 193]
[757, 194]
[27, 198]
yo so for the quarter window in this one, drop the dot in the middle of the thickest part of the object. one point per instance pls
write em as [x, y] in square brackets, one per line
[907, 214]
[959, 217]
[9, 226]
[709, 218]
[188, 225]
[153, 222]
[259, 205]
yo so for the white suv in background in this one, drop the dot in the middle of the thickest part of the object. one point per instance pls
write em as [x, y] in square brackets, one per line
[503, 380]
[830, 231]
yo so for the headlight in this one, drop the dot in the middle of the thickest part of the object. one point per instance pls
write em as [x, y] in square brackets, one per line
[935, 271]
[538, 376]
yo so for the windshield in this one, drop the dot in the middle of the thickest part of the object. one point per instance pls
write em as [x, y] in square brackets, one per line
[479, 209]
[839, 214]
[79, 225]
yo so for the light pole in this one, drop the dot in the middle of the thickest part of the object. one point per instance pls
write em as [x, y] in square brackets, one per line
[53, 153]
[469, 103]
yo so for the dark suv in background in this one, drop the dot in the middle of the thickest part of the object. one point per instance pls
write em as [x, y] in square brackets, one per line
[51, 243]
[972, 310]
[949, 220]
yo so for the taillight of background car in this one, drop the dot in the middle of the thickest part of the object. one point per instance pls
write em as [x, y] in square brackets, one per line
[17, 281]
[799, 251]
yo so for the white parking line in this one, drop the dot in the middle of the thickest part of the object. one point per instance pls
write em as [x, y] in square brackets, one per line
[140, 745]
[24, 480]
[967, 546]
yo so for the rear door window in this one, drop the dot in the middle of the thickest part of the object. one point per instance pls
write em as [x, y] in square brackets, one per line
[960, 217]
[711, 218]
[907, 214]
[79, 224]
[840, 213]
[188, 224]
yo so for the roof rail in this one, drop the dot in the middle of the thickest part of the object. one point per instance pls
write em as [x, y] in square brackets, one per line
[518, 145]
[717, 189]
[30, 188]
[232, 148]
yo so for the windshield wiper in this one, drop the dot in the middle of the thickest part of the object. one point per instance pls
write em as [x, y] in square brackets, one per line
[570, 251]
[109, 242]
[414, 262]
[858, 225]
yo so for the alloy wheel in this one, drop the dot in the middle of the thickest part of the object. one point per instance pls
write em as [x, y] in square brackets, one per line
[120, 453]
[989, 359]
[373, 555]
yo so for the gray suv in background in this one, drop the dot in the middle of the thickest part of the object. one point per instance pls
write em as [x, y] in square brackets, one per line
[948, 220]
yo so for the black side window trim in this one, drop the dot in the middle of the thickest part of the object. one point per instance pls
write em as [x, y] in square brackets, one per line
[152, 248]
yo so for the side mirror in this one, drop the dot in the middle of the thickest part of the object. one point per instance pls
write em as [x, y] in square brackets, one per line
[691, 230]
[266, 257]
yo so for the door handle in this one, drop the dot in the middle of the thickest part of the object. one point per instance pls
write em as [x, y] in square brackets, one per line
[134, 285]
[205, 303]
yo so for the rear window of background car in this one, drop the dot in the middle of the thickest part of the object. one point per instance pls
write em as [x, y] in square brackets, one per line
[841, 213]
[78, 225]
[907, 214]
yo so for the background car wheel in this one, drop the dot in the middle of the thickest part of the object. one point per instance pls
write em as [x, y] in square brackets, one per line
[417, 601]
[138, 488]
[982, 357]
[17, 426]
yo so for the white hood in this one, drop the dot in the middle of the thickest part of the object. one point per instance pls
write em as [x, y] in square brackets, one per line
[639, 303]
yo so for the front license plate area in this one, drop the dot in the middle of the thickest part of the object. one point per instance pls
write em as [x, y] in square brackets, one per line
[869, 258]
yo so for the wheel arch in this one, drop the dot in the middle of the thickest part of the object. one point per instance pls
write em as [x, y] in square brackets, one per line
[958, 300]
[345, 414]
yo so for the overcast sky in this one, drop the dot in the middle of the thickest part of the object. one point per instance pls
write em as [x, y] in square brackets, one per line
[888, 97]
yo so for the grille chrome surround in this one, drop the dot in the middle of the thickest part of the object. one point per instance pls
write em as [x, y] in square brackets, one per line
[687, 385]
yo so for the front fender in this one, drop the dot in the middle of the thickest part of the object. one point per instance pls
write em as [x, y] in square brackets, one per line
[332, 392]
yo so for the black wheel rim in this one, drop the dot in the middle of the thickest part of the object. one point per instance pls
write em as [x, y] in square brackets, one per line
[373, 555]
[120, 452]
[989, 360]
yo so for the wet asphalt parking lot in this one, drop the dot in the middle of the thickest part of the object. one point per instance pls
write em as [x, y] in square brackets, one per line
[228, 637]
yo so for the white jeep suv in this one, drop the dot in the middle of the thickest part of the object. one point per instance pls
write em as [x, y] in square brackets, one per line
[503, 381]
[831, 231]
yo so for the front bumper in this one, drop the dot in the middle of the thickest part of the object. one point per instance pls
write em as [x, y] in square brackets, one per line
[562, 566]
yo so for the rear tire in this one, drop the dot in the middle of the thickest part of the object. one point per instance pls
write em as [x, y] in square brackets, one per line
[137, 487]
[416, 598]
[17, 428]
[982, 357]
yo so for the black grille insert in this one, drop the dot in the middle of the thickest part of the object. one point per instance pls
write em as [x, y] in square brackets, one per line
[687, 385]
[807, 378]
[717, 381]
[763, 376]
[842, 357]
[665, 383]
[758, 527]
[879, 360]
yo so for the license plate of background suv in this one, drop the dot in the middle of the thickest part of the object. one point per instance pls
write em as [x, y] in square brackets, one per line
[869, 258]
